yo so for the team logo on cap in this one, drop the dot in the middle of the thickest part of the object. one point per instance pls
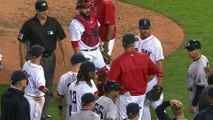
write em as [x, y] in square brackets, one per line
[145, 22]
[43, 4]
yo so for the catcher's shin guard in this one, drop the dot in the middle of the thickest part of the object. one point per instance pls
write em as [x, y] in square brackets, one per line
[102, 77]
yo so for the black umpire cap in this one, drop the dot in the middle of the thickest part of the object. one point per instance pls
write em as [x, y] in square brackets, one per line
[41, 5]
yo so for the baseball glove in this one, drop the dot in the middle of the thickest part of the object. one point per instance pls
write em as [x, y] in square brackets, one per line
[154, 93]
[106, 56]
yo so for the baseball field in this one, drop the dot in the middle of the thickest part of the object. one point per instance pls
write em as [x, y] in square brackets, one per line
[193, 16]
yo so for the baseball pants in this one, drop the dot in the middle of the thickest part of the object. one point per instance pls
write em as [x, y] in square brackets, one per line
[36, 106]
[95, 57]
[122, 101]
[191, 97]
[111, 45]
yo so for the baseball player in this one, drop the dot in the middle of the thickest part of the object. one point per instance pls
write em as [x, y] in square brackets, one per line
[82, 85]
[107, 29]
[196, 78]
[85, 39]
[65, 80]
[131, 70]
[105, 105]
[151, 46]
[132, 111]
[35, 90]
[86, 112]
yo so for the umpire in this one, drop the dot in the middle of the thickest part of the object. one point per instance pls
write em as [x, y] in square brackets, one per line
[46, 32]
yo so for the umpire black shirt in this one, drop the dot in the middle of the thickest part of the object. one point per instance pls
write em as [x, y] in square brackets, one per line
[14, 106]
[45, 35]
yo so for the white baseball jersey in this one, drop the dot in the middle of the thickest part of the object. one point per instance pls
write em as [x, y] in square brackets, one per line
[153, 48]
[34, 96]
[76, 31]
[35, 80]
[196, 74]
[76, 91]
[64, 83]
[106, 108]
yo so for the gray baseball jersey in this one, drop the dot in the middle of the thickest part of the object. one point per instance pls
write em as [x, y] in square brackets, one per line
[85, 115]
[196, 74]
[106, 108]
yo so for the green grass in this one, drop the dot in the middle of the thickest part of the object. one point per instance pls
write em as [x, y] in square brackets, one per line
[195, 17]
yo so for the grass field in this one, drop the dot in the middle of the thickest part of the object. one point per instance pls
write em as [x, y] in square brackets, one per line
[195, 17]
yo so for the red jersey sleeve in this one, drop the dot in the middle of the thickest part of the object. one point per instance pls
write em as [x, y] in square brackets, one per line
[115, 71]
[109, 13]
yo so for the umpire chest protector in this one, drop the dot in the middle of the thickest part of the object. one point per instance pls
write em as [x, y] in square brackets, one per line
[90, 35]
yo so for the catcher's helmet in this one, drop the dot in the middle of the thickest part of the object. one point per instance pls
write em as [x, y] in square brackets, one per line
[84, 4]
[144, 23]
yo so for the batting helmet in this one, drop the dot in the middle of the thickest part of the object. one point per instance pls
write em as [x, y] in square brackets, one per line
[144, 23]
[84, 4]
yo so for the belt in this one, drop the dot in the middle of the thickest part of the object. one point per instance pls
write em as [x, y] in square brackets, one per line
[89, 49]
[47, 54]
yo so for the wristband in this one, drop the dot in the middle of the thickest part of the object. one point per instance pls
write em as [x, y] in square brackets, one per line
[160, 74]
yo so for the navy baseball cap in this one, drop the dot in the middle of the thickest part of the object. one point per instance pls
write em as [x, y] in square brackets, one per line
[36, 51]
[112, 85]
[144, 23]
[78, 58]
[41, 5]
[132, 109]
[210, 92]
[87, 98]
[193, 45]
[128, 38]
[87, 66]
[18, 75]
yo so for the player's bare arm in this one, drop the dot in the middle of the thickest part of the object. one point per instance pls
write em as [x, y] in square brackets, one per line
[108, 37]
[62, 46]
[159, 64]
[22, 51]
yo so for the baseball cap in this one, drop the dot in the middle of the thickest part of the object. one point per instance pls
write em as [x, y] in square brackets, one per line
[18, 75]
[132, 109]
[112, 85]
[193, 45]
[41, 5]
[144, 23]
[128, 38]
[78, 58]
[36, 51]
[210, 92]
[87, 98]
[87, 66]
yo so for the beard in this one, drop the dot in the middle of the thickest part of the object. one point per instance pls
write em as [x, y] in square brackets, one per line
[85, 15]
